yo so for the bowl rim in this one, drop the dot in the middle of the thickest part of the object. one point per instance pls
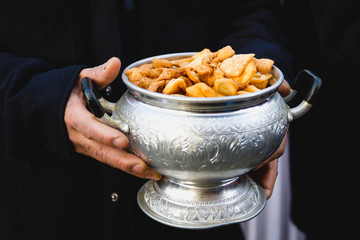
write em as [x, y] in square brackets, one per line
[160, 99]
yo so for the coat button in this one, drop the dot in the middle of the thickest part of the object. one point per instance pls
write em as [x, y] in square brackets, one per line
[108, 91]
[114, 197]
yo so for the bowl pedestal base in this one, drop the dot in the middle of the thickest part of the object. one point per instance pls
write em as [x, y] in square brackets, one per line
[194, 206]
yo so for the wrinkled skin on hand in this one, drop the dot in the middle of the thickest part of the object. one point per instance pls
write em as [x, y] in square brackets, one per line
[94, 138]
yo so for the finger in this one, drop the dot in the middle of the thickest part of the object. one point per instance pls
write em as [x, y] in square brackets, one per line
[284, 89]
[116, 158]
[104, 74]
[266, 177]
[269, 178]
[95, 130]
[84, 122]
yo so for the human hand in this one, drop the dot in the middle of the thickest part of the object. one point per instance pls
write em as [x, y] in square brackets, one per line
[284, 89]
[266, 173]
[95, 139]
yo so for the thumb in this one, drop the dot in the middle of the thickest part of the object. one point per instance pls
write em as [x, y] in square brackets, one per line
[284, 89]
[104, 74]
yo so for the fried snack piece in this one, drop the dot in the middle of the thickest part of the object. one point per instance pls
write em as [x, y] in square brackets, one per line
[194, 91]
[170, 73]
[134, 74]
[221, 55]
[156, 86]
[264, 65]
[176, 85]
[201, 54]
[251, 88]
[143, 82]
[260, 80]
[210, 79]
[187, 81]
[203, 69]
[243, 80]
[220, 73]
[147, 65]
[161, 63]
[201, 90]
[203, 57]
[224, 53]
[139, 77]
[181, 62]
[192, 75]
[234, 66]
[226, 86]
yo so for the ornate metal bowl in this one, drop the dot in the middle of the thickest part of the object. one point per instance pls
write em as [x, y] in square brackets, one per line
[203, 147]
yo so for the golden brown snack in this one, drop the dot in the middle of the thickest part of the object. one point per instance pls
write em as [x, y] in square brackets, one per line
[203, 69]
[201, 90]
[135, 74]
[161, 63]
[220, 73]
[244, 79]
[192, 75]
[194, 91]
[181, 62]
[251, 88]
[224, 53]
[260, 80]
[203, 57]
[147, 65]
[156, 86]
[264, 65]
[170, 73]
[234, 66]
[176, 85]
[210, 79]
[226, 86]
[187, 81]
[241, 92]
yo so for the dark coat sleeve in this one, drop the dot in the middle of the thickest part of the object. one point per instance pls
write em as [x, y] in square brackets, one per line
[32, 104]
[326, 41]
[337, 26]
[42, 180]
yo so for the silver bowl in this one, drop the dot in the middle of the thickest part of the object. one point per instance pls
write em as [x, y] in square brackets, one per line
[203, 147]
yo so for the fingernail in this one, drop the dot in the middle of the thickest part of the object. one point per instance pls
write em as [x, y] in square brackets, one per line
[268, 193]
[138, 169]
[106, 64]
[155, 175]
[120, 143]
[151, 173]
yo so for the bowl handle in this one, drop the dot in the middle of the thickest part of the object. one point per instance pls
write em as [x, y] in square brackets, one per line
[99, 106]
[302, 78]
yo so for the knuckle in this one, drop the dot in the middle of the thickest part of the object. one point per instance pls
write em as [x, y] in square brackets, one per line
[73, 136]
[119, 141]
[87, 131]
[97, 152]
[68, 117]
[126, 166]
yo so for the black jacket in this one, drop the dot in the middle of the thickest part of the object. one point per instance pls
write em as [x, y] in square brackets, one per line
[324, 36]
[47, 191]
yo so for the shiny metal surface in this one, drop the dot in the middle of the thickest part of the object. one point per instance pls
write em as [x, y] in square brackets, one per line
[204, 206]
[202, 146]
